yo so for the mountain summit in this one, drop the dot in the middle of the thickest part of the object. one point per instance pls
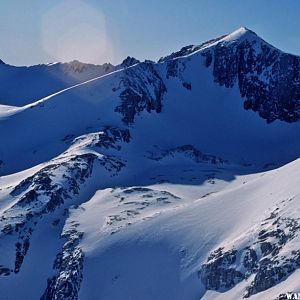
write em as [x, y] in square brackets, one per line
[241, 33]
[175, 179]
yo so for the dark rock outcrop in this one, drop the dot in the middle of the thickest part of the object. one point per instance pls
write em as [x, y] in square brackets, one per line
[50, 187]
[66, 283]
[218, 273]
[129, 61]
[142, 89]
[268, 79]
[266, 257]
[189, 151]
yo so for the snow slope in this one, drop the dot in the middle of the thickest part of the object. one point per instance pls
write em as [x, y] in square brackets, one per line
[168, 180]
[23, 85]
[160, 258]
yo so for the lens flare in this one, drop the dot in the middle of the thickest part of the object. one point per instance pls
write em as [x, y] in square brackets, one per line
[74, 30]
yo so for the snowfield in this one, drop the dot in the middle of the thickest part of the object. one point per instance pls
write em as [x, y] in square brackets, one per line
[169, 180]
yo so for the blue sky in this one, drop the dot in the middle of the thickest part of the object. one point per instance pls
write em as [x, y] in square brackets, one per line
[98, 31]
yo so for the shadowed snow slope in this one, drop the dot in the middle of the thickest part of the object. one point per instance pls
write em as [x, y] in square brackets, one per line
[23, 85]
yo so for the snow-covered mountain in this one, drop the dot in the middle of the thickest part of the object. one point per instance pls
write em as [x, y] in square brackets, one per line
[168, 180]
[24, 85]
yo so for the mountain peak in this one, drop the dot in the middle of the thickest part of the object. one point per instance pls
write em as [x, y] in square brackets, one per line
[129, 61]
[240, 33]
[243, 30]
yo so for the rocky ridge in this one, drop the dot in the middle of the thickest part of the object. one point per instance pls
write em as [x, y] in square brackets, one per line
[264, 256]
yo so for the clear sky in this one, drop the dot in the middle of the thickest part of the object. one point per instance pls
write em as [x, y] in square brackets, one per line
[98, 31]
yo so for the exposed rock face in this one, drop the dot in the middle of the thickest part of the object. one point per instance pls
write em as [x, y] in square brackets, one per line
[109, 138]
[218, 273]
[69, 266]
[175, 68]
[79, 168]
[79, 67]
[40, 195]
[129, 61]
[188, 151]
[267, 256]
[268, 79]
[142, 88]
[132, 203]
[53, 185]
[189, 50]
